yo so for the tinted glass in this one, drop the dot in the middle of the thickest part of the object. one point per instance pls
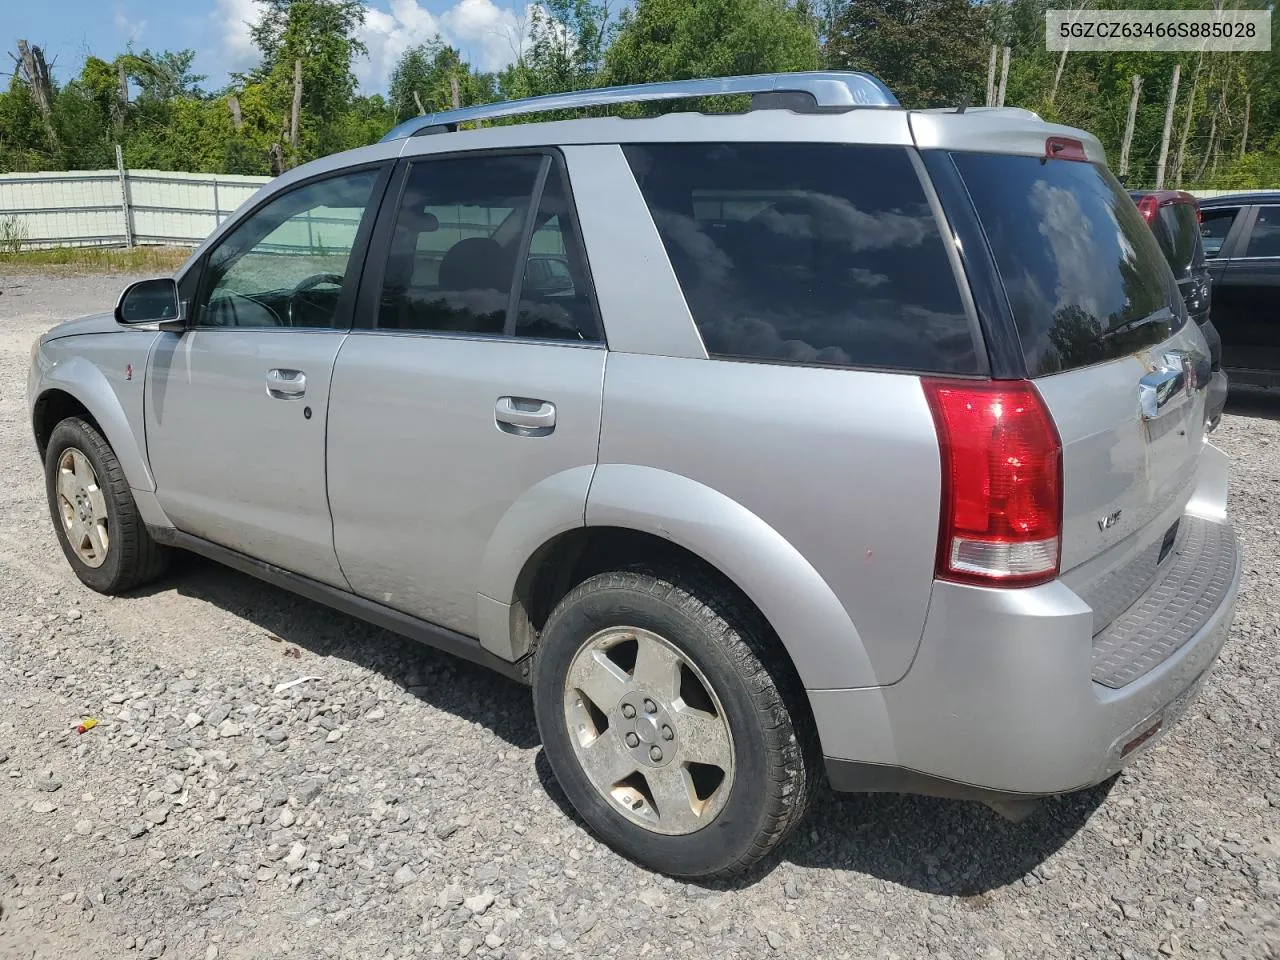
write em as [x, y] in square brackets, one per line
[1182, 231]
[807, 253]
[455, 244]
[285, 265]
[1085, 277]
[1214, 227]
[556, 302]
[1264, 241]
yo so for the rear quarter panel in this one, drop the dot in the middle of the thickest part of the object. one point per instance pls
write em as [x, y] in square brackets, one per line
[842, 466]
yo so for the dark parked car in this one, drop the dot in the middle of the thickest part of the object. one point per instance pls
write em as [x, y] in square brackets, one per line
[1174, 217]
[1241, 238]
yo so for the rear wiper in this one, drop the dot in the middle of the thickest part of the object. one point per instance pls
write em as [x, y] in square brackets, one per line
[1163, 315]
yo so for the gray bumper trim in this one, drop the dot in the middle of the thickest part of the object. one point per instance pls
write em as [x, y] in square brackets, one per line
[1186, 594]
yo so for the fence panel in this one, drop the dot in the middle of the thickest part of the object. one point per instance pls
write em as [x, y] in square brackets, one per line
[83, 207]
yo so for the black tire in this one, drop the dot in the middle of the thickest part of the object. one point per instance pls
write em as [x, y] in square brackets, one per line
[774, 746]
[132, 557]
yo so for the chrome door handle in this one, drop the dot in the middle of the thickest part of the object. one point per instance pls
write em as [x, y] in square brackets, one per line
[525, 416]
[286, 384]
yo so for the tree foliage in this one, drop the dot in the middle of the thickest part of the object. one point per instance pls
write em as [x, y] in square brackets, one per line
[924, 50]
[930, 52]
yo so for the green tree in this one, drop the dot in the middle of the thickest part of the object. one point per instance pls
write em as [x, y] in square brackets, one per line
[566, 50]
[323, 35]
[429, 70]
[928, 52]
[680, 40]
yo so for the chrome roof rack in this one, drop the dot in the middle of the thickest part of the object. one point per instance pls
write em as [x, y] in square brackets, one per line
[814, 91]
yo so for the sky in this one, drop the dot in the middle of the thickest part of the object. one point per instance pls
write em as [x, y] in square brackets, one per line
[488, 32]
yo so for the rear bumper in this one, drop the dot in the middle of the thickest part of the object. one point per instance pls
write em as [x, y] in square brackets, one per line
[1002, 697]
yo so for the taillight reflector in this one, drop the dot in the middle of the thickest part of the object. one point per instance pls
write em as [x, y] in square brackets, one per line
[1001, 482]
[1148, 206]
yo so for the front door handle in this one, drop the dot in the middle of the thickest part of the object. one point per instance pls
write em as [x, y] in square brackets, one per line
[524, 416]
[286, 384]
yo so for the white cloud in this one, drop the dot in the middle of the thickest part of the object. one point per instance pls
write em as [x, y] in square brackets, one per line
[129, 29]
[233, 20]
[489, 36]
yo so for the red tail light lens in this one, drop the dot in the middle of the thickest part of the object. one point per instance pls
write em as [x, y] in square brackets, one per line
[1001, 482]
[1148, 206]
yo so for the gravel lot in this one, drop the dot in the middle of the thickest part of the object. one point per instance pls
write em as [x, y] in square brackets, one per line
[396, 803]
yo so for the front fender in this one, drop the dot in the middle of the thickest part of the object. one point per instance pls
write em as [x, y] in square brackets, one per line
[809, 619]
[83, 380]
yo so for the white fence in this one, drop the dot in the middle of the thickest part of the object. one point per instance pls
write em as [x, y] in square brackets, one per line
[118, 208]
[128, 207]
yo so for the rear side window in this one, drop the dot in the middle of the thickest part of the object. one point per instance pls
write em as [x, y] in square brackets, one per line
[1214, 227]
[807, 253]
[1182, 230]
[1085, 277]
[1265, 239]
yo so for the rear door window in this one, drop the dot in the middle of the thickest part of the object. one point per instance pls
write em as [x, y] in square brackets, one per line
[1214, 227]
[1086, 279]
[808, 253]
[1264, 241]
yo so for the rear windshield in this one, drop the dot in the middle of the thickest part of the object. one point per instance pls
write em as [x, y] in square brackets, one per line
[807, 253]
[1180, 238]
[1085, 278]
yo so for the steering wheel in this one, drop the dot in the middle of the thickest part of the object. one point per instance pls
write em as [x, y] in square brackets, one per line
[310, 283]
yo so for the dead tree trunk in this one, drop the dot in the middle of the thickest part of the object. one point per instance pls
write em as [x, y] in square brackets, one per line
[122, 96]
[36, 73]
[991, 75]
[237, 121]
[1213, 145]
[1004, 78]
[1244, 135]
[276, 156]
[1180, 159]
[1168, 126]
[1062, 57]
[297, 110]
[455, 95]
[1128, 127]
[422, 111]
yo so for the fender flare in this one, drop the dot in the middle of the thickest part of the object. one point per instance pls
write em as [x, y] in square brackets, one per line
[83, 380]
[809, 619]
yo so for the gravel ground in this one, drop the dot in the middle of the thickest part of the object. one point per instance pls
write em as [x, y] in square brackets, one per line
[396, 803]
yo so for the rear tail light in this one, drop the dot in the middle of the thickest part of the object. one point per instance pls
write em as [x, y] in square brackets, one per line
[1001, 482]
[1148, 206]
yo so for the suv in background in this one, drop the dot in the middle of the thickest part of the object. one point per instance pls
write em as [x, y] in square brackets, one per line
[1241, 235]
[861, 437]
[1174, 218]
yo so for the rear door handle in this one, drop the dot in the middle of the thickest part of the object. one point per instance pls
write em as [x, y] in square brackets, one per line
[285, 384]
[525, 416]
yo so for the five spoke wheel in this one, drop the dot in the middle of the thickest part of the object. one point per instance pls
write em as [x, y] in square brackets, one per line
[82, 508]
[649, 730]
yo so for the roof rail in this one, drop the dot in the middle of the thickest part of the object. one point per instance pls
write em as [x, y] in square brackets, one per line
[814, 91]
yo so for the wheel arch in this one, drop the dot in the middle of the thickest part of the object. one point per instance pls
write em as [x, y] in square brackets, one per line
[644, 514]
[76, 387]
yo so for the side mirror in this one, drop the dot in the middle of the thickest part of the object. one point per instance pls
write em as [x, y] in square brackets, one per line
[149, 301]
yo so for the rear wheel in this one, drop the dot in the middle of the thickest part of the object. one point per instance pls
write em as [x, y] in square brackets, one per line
[671, 722]
[94, 514]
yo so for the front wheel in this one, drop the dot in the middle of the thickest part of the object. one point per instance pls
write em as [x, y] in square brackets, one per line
[672, 722]
[96, 520]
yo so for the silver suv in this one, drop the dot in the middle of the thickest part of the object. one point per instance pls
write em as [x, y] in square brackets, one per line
[822, 435]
